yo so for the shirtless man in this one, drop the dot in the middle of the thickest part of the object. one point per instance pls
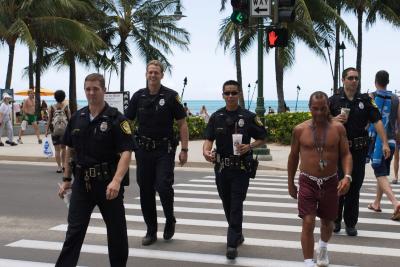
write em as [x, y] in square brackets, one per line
[29, 116]
[318, 143]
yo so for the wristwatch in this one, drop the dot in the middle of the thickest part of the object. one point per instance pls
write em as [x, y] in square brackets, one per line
[185, 149]
[349, 176]
[66, 179]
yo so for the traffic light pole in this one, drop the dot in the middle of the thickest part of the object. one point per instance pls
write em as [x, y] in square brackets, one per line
[262, 152]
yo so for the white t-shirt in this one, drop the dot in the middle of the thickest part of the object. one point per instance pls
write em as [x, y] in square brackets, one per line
[5, 109]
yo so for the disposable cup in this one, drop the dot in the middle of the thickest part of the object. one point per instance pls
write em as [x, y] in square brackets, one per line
[345, 111]
[236, 140]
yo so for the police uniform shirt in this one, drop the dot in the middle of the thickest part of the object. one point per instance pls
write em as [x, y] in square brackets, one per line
[155, 114]
[224, 123]
[363, 110]
[99, 140]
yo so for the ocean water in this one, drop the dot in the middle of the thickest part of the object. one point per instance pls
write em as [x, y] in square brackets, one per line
[214, 105]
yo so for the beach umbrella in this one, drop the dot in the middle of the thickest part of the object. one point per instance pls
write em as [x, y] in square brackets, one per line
[43, 92]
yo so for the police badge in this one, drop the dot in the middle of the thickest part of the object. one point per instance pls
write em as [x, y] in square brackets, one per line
[361, 105]
[161, 102]
[103, 126]
[241, 123]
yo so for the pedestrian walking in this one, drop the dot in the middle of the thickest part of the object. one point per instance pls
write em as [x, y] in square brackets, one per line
[29, 116]
[355, 111]
[6, 121]
[232, 128]
[99, 143]
[59, 115]
[318, 144]
[155, 109]
[381, 165]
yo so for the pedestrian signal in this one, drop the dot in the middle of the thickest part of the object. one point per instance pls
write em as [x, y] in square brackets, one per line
[277, 37]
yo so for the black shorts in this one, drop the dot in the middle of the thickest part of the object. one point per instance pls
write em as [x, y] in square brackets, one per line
[56, 139]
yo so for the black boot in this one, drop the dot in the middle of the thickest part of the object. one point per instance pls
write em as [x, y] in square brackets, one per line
[169, 229]
[149, 239]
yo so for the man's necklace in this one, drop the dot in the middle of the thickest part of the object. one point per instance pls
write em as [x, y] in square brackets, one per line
[319, 144]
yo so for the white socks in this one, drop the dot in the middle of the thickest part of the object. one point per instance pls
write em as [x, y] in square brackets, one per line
[323, 244]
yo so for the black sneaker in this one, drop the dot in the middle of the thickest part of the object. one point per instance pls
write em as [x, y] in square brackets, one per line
[1, 144]
[351, 231]
[39, 141]
[169, 229]
[337, 227]
[149, 239]
[231, 253]
[8, 142]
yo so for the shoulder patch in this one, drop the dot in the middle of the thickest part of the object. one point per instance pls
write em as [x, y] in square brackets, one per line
[373, 103]
[178, 99]
[125, 127]
[257, 120]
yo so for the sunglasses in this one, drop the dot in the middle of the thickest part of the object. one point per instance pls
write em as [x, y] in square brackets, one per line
[352, 78]
[231, 93]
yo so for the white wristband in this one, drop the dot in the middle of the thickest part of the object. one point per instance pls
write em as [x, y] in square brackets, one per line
[349, 176]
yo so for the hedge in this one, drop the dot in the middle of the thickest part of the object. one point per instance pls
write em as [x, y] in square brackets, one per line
[279, 126]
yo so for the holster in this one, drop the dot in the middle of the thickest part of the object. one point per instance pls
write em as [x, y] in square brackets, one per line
[251, 165]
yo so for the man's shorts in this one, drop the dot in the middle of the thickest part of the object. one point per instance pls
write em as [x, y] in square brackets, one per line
[56, 139]
[321, 201]
[28, 119]
[384, 168]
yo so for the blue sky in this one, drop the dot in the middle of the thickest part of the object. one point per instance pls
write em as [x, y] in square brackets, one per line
[206, 66]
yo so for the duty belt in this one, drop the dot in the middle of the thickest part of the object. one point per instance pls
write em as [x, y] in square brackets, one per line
[149, 144]
[100, 171]
[319, 180]
[231, 161]
[359, 142]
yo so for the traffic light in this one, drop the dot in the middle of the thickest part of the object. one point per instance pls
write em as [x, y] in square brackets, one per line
[277, 37]
[240, 14]
[285, 11]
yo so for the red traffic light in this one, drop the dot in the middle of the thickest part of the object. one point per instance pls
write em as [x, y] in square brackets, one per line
[277, 37]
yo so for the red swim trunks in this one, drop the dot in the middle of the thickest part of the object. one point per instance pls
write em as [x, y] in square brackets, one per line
[318, 196]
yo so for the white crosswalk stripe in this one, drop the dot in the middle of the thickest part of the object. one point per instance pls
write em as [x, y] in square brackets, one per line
[269, 212]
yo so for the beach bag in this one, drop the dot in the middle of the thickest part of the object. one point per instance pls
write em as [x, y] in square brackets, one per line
[59, 121]
[47, 150]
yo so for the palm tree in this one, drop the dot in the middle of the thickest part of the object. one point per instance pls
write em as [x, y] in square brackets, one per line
[44, 23]
[386, 9]
[153, 32]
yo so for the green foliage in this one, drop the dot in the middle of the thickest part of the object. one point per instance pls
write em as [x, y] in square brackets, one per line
[280, 126]
[196, 125]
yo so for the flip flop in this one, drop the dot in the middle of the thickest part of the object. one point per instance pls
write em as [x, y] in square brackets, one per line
[396, 216]
[370, 207]
[394, 181]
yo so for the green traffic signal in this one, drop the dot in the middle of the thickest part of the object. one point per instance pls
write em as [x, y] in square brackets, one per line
[239, 17]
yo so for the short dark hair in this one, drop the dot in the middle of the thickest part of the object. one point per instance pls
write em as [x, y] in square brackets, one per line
[59, 96]
[230, 82]
[345, 71]
[96, 77]
[318, 95]
[382, 77]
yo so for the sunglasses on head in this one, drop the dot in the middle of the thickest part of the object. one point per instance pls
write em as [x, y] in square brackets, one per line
[352, 78]
[231, 93]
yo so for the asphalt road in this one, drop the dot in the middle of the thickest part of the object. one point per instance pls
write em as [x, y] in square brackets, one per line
[33, 223]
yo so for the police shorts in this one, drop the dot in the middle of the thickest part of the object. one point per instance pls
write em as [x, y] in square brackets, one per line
[384, 168]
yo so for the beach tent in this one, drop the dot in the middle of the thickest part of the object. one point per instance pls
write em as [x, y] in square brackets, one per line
[43, 92]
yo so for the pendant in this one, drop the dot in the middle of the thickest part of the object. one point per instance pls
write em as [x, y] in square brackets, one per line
[322, 164]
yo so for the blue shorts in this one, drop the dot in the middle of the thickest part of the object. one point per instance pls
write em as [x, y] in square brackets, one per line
[384, 168]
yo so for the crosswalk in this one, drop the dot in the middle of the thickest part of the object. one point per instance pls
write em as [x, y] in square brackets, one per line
[271, 228]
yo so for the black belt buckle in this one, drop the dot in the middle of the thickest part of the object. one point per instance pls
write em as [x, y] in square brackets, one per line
[227, 162]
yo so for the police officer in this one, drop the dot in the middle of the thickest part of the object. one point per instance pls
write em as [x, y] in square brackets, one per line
[233, 168]
[155, 108]
[355, 111]
[99, 142]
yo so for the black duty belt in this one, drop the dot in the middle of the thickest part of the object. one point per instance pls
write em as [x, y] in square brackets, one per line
[149, 144]
[230, 161]
[102, 171]
[359, 142]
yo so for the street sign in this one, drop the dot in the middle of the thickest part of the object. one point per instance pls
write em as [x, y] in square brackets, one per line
[260, 8]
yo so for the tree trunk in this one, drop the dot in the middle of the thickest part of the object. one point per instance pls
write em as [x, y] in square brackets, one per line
[39, 59]
[31, 70]
[239, 67]
[72, 83]
[11, 49]
[359, 42]
[337, 75]
[279, 81]
[122, 81]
